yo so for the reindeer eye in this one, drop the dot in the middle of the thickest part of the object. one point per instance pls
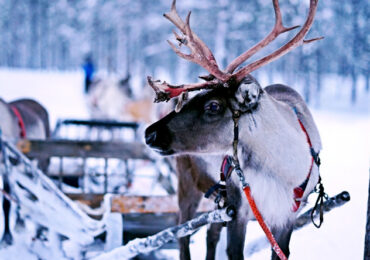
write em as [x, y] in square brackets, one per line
[212, 107]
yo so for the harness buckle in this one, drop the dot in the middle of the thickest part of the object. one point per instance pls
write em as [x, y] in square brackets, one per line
[240, 173]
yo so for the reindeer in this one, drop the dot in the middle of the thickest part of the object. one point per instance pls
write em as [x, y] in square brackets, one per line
[20, 119]
[112, 98]
[276, 142]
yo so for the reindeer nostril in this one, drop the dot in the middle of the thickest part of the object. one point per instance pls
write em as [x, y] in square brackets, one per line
[151, 137]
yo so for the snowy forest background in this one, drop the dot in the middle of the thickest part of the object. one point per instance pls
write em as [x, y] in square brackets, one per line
[129, 37]
[43, 44]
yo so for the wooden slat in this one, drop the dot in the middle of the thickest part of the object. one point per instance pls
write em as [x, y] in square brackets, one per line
[139, 204]
[71, 148]
[100, 123]
[153, 204]
[89, 199]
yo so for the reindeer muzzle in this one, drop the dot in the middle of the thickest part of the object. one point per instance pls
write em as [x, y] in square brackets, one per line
[158, 137]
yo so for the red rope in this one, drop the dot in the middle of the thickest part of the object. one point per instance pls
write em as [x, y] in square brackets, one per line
[263, 225]
[20, 121]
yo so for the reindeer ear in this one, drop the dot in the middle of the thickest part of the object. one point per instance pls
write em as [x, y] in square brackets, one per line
[247, 95]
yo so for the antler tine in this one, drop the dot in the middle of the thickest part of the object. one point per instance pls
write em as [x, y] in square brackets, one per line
[293, 43]
[174, 17]
[165, 91]
[200, 53]
[276, 31]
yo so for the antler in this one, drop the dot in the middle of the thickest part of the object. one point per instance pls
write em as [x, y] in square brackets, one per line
[200, 53]
[203, 56]
[298, 40]
[276, 31]
[166, 91]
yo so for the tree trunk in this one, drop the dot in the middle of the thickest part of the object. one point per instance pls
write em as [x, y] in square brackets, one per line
[221, 33]
[44, 35]
[318, 76]
[354, 86]
[13, 54]
[33, 34]
[355, 49]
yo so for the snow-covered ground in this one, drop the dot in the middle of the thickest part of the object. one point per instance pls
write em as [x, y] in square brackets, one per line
[345, 163]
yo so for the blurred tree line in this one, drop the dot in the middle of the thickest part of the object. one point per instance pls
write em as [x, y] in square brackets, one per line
[129, 37]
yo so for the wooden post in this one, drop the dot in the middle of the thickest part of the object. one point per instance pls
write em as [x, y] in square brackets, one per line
[105, 175]
[127, 174]
[84, 175]
[60, 173]
[367, 235]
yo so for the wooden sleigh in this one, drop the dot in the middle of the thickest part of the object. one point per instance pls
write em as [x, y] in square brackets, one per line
[105, 141]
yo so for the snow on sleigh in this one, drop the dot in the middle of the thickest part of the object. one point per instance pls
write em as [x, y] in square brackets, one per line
[101, 166]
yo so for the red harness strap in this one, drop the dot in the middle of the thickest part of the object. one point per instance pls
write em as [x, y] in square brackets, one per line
[299, 191]
[20, 121]
[275, 246]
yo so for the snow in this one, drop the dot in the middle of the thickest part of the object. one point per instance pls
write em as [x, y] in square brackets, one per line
[345, 166]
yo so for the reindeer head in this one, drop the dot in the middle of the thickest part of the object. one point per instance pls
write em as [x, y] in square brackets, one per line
[204, 123]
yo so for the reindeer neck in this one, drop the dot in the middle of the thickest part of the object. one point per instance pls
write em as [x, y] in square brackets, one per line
[270, 139]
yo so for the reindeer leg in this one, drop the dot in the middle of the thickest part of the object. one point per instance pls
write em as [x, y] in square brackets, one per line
[188, 197]
[282, 237]
[236, 231]
[237, 228]
[188, 206]
[213, 236]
